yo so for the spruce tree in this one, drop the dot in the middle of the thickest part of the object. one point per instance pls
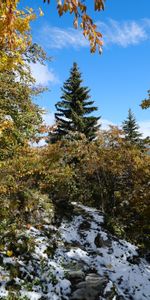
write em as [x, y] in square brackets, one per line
[131, 129]
[74, 109]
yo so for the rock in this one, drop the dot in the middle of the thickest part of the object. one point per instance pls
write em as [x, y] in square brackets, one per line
[84, 225]
[76, 276]
[90, 289]
[81, 285]
[110, 251]
[107, 243]
[92, 275]
[99, 242]
[86, 294]
[96, 282]
[135, 260]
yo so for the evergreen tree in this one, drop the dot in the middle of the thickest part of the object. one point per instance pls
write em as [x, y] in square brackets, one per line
[74, 108]
[131, 129]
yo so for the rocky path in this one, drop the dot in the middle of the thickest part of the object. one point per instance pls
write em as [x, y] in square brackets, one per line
[77, 260]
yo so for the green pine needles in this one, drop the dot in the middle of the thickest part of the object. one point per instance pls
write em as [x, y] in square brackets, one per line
[73, 116]
[131, 129]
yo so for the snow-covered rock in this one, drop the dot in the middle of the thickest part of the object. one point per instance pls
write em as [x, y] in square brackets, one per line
[80, 260]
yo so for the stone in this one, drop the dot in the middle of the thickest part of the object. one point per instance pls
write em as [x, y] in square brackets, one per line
[90, 289]
[76, 275]
[110, 251]
[135, 260]
[96, 283]
[84, 225]
[99, 242]
[86, 293]
[92, 275]
[81, 285]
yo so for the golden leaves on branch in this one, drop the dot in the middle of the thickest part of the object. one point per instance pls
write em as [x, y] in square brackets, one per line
[79, 9]
[5, 124]
[99, 5]
[90, 31]
[146, 102]
[14, 33]
[15, 36]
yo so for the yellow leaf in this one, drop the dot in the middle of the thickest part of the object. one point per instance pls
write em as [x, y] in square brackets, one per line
[9, 253]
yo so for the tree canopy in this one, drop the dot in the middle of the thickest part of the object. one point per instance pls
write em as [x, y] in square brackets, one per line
[131, 129]
[20, 118]
[14, 33]
[74, 109]
[15, 27]
[146, 102]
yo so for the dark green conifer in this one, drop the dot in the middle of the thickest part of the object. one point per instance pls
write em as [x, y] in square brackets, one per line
[131, 129]
[74, 109]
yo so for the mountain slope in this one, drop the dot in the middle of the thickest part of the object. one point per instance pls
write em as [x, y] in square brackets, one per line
[76, 259]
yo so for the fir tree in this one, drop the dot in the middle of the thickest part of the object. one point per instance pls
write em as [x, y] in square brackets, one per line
[74, 109]
[131, 129]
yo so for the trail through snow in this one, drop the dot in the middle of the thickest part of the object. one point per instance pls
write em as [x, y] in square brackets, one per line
[81, 244]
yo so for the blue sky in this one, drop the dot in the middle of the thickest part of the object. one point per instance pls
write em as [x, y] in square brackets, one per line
[119, 78]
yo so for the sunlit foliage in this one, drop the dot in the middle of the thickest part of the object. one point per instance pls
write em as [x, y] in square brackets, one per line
[15, 28]
[146, 102]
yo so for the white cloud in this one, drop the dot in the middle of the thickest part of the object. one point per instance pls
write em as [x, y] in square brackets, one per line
[145, 128]
[55, 37]
[105, 124]
[43, 75]
[49, 118]
[124, 33]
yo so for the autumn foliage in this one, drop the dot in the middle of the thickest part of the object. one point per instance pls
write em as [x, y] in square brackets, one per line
[14, 33]
[146, 102]
[108, 172]
[83, 20]
[15, 37]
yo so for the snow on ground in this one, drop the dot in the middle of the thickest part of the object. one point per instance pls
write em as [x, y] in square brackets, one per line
[80, 244]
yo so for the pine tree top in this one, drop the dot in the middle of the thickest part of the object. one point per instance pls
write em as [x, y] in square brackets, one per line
[75, 108]
[131, 128]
